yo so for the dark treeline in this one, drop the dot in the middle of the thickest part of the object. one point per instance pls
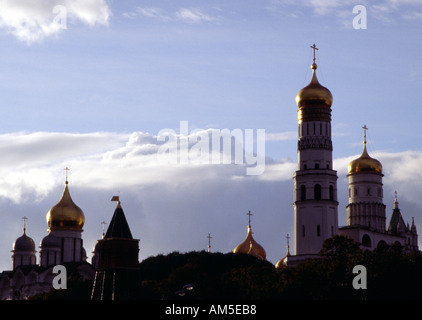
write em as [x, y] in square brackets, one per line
[391, 274]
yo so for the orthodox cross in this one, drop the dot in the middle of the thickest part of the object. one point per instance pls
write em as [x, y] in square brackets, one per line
[24, 218]
[249, 214]
[365, 128]
[209, 242]
[314, 48]
[67, 174]
[103, 223]
[288, 245]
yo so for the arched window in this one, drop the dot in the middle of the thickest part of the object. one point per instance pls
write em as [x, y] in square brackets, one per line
[302, 192]
[331, 193]
[317, 192]
[366, 241]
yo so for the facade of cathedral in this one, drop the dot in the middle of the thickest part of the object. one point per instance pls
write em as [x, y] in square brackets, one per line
[62, 246]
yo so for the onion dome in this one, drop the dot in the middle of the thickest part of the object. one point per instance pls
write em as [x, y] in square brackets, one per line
[65, 215]
[24, 244]
[365, 164]
[50, 241]
[250, 246]
[283, 261]
[314, 94]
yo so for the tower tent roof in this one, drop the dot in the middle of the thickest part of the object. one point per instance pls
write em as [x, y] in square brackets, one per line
[118, 227]
[397, 224]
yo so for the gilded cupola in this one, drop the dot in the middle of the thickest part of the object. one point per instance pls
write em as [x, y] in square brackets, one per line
[314, 101]
[365, 164]
[314, 94]
[250, 246]
[65, 215]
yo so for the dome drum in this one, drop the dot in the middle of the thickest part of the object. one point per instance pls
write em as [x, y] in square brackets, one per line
[314, 113]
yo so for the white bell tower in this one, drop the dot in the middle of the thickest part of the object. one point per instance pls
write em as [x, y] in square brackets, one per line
[315, 181]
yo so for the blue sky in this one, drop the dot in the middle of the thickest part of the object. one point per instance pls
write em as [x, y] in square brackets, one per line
[94, 95]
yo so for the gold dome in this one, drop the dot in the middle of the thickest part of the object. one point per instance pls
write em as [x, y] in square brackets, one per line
[314, 94]
[250, 246]
[65, 215]
[365, 164]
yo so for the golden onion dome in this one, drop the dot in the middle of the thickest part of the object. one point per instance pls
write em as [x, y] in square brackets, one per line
[250, 246]
[65, 215]
[314, 94]
[365, 164]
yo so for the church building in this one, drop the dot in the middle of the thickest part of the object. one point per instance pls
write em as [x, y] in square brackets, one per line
[63, 245]
[315, 187]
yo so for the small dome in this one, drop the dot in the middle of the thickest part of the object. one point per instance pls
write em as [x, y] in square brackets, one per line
[24, 243]
[314, 94]
[250, 246]
[50, 241]
[65, 215]
[365, 164]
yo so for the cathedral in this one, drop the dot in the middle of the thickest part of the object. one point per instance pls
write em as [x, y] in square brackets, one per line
[63, 245]
[315, 187]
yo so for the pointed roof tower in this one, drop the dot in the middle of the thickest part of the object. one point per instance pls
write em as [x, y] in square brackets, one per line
[397, 224]
[118, 227]
[117, 261]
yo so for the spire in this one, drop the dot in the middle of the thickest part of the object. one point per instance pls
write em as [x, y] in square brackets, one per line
[118, 227]
[365, 128]
[314, 66]
[249, 214]
[288, 246]
[103, 223]
[396, 203]
[67, 175]
[209, 242]
[24, 218]
[397, 224]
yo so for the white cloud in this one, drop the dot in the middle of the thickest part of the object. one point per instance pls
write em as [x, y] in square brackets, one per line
[281, 136]
[169, 206]
[186, 15]
[32, 21]
[192, 15]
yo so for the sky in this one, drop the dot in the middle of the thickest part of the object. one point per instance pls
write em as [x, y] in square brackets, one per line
[103, 86]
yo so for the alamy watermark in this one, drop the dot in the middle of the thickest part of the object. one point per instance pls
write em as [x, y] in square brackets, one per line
[213, 146]
[359, 281]
[60, 281]
[60, 18]
[359, 21]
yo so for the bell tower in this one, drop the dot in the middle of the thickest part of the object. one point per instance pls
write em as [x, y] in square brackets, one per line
[315, 181]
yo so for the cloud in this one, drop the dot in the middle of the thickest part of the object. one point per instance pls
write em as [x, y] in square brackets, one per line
[281, 136]
[169, 206]
[192, 15]
[186, 15]
[33, 21]
[386, 11]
